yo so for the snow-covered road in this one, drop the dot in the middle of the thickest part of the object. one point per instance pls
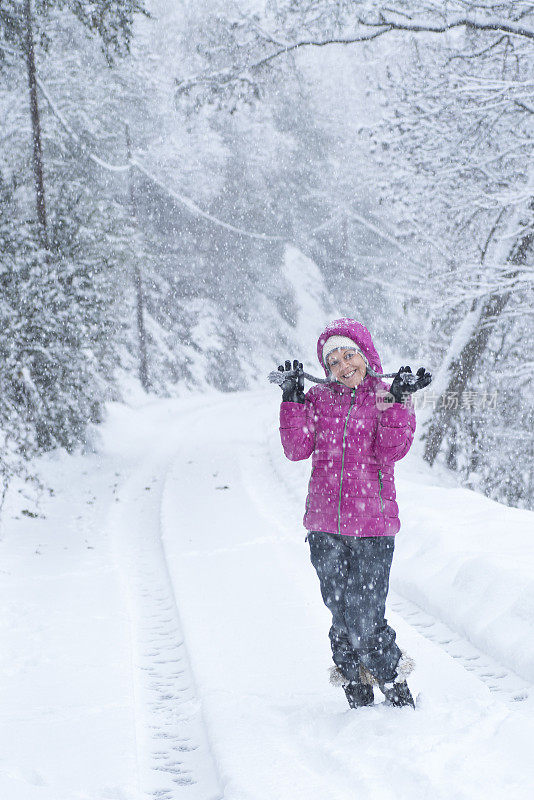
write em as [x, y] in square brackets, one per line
[163, 633]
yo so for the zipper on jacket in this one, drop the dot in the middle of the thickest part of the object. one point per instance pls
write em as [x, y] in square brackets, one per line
[343, 461]
[382, 506]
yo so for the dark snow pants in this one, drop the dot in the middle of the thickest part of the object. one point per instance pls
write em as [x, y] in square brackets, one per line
[354, 576]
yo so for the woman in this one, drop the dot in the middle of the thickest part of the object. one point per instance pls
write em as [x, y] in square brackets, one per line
[355, 430]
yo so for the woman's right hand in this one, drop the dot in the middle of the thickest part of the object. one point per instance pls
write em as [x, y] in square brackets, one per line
[293, 384]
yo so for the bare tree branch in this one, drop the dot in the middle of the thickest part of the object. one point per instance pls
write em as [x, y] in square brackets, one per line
[375, 28]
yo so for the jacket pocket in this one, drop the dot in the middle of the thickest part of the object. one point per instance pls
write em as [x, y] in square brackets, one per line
[380, 487]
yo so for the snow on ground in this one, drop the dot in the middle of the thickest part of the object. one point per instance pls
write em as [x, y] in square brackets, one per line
[66, 705]
[163, 634]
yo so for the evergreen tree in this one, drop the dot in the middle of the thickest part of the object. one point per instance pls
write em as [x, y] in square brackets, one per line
[62, 295]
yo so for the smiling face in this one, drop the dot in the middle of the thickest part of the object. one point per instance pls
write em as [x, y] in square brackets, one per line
[347, 366]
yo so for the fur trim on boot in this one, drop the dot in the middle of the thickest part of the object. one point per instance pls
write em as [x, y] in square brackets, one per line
[357, 694]
[367, 678]
[336, 677]
[405, 666]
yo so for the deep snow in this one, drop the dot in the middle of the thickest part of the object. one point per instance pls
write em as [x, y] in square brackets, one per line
[163, 634]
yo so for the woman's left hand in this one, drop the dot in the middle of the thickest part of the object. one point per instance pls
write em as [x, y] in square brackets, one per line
[405, 382]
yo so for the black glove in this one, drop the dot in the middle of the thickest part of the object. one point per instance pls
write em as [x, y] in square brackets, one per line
[292, 386]
[405, 382]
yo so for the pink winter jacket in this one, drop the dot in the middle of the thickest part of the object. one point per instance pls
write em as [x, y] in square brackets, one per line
[354, 445]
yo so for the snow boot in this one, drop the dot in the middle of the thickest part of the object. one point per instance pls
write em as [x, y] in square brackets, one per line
[397, 694]
[359, 694]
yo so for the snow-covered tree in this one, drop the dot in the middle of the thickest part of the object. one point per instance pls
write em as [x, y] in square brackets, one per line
[62, 272]
[457, 167]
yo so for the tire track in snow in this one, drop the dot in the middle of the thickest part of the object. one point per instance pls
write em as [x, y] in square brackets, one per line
[174, 756]
[509, 686]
